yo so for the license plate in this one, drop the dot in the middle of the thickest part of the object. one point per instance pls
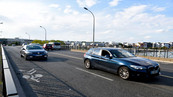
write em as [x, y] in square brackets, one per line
[154, 72]
[38, 55]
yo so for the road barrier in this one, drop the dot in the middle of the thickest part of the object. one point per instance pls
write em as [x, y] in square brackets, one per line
[10, 87]
[155, 52]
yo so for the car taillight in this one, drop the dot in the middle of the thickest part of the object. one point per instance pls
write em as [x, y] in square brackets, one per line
[84, 54]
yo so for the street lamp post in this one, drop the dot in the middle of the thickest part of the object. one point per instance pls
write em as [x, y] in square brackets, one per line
[28, 35]
[93, 24]
[1, 23]
[45, 32]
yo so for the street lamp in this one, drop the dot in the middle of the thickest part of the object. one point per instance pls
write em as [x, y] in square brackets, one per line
[1, 23]
[28, 35]
[93, 24]
[45, 32]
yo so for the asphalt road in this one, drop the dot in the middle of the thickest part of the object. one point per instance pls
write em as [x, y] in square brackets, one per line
[63, 74]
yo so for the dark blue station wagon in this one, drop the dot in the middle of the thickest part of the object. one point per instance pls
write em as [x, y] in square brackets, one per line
[121, 62]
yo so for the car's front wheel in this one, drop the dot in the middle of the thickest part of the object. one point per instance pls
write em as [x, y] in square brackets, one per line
[45, 59]
[26, 57]
[124, 73]
[87, 64]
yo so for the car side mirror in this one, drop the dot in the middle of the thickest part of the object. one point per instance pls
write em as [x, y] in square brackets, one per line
[107, 56]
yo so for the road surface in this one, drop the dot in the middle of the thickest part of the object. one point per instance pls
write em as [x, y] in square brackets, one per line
[63, 74]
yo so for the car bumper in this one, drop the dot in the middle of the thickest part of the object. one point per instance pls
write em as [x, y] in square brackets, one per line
[145, 73]
[37, 56]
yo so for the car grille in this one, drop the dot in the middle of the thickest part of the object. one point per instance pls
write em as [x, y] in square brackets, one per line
[38, 53]
[151, 68]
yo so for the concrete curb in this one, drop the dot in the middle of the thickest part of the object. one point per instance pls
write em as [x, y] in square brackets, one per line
[11, 84]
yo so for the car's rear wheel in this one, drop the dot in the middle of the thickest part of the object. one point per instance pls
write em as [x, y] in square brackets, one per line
[124, 73]
[87, 64]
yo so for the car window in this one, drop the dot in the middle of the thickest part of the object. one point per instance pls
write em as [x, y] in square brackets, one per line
[30, 47]
[96, 51]
[104, 53]
[57, 44]
[120, 53]
[90, 51]
[49, 45]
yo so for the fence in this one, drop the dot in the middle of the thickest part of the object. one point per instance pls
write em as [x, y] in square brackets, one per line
[162, 53]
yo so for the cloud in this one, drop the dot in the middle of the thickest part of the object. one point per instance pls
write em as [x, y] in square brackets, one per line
[158, 9]
[137, 22]
[114, 2]
[131, 24]
[107, 32]
[86, 3]
[147, 37]
[54, 5]
[160, 31]
[68, 10]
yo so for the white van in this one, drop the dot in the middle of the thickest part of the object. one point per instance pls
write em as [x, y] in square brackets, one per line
[55, 45]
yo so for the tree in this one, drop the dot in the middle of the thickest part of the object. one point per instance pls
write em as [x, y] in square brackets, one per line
[43, 42]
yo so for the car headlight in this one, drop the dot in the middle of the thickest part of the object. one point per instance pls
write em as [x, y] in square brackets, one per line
[138, 67]
[158, 64]
[27, 52]
[45, 52]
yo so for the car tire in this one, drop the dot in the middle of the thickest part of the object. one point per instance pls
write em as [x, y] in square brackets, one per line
[21, 55]
[124, 73]
[87, 64]
[26, 58]
[45, 59]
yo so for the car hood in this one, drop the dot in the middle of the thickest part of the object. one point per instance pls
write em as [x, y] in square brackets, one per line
[136, 61]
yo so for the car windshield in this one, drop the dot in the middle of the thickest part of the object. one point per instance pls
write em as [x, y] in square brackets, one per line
[119, 53]
[49, 45]
[57, 43]
[31, 47]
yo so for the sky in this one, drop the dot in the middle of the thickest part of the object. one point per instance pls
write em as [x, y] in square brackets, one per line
[116, 20]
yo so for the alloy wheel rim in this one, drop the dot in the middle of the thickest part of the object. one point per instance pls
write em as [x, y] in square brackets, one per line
[124, 73]
[87, 64]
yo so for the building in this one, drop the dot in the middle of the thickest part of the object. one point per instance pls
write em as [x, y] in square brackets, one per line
[167, 45]
[16, 41]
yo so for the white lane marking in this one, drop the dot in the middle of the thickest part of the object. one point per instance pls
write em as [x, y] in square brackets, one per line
[70, 56]
[94, 74]
[31, 75]
[167, 76]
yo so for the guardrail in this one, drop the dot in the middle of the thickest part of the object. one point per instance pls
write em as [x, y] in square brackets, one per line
[10, 87]
[160, 53]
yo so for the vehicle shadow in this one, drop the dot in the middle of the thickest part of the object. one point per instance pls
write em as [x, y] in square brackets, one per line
[50, 59]
[159, 80]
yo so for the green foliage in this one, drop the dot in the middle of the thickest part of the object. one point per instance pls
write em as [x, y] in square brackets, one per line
[43, 42]
[164, 47]
[62, 42]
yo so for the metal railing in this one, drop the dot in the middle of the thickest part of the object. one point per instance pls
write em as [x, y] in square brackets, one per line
[162, 53]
